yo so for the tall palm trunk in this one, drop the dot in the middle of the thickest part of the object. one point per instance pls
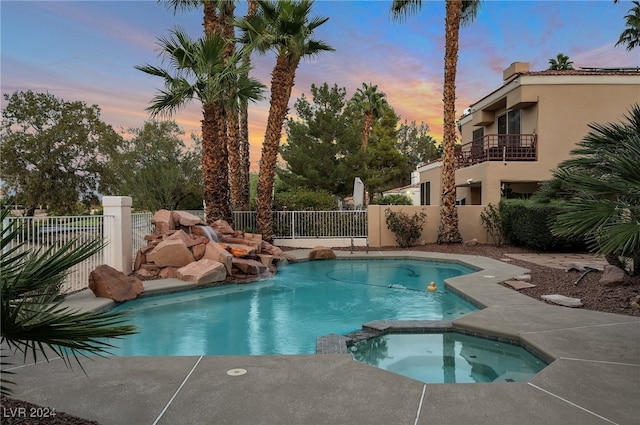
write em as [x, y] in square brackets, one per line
[368, 119]
[233, 147]
[448, 230]
[242, 201]
[235, 164]
[211, 22]
[215, 168]
[282, 81]
[244, 168]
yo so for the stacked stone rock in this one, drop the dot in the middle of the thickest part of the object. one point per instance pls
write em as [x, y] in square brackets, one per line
[180, 248]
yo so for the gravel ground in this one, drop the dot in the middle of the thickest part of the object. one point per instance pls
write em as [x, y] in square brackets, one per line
[547, 280]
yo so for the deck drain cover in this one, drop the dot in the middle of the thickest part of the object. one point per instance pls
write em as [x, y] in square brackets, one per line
[236, 372]
[488, 275]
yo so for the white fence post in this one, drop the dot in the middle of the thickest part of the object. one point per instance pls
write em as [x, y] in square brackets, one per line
[120, 247]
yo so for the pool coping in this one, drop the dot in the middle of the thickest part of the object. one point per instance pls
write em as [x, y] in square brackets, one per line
[593, 378]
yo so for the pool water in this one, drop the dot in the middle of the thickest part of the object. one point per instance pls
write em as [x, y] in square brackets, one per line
[285, 314]
[448, 357]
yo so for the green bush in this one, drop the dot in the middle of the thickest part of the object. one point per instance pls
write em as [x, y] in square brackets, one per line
[493, 224]
[528, 224]
[407, 229]
[393, 200]
[301, 199]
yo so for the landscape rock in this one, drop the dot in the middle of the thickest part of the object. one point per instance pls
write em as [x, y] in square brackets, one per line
[141, 258]
[580, 267]
[240, 250]
[186, 219]
[107, 282]
[198, 251]
[612, 276]
[206, 232]
[203, 272]
[163, 222]
[148, 270]
[184, 237]
[171, 252]
[321, 253]
[256, 244]
[471, 242]
[562, 300]
[266, 259]
[181, 238]
[249, 266]
[168, 272]
[517, 284]
[214, 252]
[221, 226]
[253, 236]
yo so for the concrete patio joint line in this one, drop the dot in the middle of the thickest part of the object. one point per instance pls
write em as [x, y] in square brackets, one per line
[572, 403]
[177, 391]
[424, 389]
[33, 364]
[599, 361]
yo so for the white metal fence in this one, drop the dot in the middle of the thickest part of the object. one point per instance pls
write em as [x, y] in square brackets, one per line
[308, 224]
[40, 233]
[140, 227]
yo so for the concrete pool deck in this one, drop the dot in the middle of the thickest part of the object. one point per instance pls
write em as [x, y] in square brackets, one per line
[594, 377]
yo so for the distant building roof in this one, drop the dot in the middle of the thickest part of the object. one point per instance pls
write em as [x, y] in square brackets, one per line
[587, 71]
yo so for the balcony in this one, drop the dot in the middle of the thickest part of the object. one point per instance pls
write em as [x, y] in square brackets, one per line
[497, 147]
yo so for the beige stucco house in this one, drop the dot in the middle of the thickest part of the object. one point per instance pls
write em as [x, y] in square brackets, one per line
[512, 138]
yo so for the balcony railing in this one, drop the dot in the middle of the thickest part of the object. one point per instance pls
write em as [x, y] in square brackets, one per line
[498, 147]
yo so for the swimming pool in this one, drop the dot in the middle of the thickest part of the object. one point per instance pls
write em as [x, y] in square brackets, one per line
[285, 314]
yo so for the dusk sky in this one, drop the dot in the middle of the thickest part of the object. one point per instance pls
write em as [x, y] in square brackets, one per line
[87, 50]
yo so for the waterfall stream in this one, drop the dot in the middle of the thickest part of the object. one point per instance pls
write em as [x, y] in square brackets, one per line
[209, 233]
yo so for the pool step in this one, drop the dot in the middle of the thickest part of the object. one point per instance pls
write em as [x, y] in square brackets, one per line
[338, 344]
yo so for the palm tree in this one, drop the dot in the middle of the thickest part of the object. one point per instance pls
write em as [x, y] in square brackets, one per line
[560, 63]
[457, 12]
[368, 100]
[241, 200]
[285, 28]
[218, 20]
[32, 315]
[200, 69]
[371, 102]
[601, 185]
[631, 35]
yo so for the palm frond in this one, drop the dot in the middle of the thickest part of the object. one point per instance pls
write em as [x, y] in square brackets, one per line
[32, 317]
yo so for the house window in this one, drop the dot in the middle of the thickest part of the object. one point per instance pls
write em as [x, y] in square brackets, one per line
[513, 122]
[477, 145]
[425, 193]
[509, 123]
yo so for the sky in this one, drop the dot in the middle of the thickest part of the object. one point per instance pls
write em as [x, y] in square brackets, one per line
[87, 51]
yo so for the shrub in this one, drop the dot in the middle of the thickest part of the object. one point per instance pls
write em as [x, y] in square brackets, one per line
[492, 222]
[529, 224]
[304, 200]
[393, 200]
[407, 229]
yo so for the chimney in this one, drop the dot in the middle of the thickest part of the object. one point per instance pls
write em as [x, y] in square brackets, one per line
[513, 71]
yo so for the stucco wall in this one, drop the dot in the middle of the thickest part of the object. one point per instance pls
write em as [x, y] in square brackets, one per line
[469, 224]
[559, 114]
